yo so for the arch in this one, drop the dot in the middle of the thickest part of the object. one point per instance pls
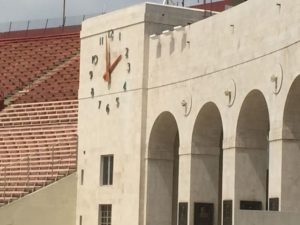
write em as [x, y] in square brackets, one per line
[206, 161]
[163, 135]
[208, 129]
[252, 153]
[291, 115]
[162, 171]
[290, 193]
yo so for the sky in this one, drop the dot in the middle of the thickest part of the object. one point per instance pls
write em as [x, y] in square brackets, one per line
[21, 10]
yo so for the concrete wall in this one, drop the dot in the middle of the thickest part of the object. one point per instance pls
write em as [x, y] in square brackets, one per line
[221, 60]
[51, 205]
[198, 64]
[121, 131]
[266, 218]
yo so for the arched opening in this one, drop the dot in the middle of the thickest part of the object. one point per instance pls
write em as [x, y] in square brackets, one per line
[206, 166]
[291, 150]
[162, 171]
[252, 153]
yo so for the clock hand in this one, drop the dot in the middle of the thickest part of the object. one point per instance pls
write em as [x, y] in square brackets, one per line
[106, 75]
[115, 63]
[112, 67]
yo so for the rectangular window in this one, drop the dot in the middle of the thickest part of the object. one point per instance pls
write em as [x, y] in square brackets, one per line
[104, 215]
[106, 173]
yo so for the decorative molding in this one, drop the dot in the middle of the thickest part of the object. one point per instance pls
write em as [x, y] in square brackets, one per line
[230, 93]
[277, 78]
[187, 104]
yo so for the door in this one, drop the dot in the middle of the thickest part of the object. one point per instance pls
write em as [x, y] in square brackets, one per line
[204, 214]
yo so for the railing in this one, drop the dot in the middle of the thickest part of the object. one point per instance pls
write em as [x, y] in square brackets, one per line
[43, 23]
[69, 159]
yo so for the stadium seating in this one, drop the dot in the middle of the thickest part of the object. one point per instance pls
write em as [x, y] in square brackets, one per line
[38, 143]
[38, 111]
[58, 84]
[23, 61]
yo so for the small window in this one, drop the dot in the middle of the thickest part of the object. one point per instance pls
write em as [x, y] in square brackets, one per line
[106, 173]
[104, 215]
[82, 177]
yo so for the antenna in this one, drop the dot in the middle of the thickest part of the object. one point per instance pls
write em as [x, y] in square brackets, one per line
[168, 2]
[64, 14]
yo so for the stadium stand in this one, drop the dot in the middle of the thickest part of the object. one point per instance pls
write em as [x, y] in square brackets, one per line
[38, 122]
[25, 60]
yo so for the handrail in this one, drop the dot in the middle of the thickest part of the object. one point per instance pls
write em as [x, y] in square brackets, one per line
[26, 25]
[30, 155]
[28, 160]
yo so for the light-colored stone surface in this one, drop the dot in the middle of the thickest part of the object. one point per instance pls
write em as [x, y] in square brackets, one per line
[121, 127]
[266, 218]
[54, 204]
[237, 50]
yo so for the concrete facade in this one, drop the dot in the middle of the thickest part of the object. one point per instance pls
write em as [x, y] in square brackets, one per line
[204, 111]
[53, 204]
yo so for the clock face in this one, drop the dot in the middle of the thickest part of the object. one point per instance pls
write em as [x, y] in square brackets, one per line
[110, 60]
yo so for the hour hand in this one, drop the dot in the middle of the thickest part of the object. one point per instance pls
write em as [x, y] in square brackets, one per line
[115, 63]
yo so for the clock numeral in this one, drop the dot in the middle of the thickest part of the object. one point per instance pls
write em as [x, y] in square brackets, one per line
[99, 104]
[91, 75]
[107, 109]
[101, 41]
[118, 101]
[111, 34]
[125, 86]
[95, 59]
[92, 92]
[120, 36]
[128, 67]
[127, 53]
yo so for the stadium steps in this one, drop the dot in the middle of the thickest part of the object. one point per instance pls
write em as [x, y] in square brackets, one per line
[25, 59]
[38, 146]
[38, 128]
[44, 75]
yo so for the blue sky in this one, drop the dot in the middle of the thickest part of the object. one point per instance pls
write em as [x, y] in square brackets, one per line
[20, 10]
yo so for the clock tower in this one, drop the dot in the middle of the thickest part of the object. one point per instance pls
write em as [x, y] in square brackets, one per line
[112, 113]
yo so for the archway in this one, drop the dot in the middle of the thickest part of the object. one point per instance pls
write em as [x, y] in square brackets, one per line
[252, 154]
[206, 165]
[290, 193]
[162, 171]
